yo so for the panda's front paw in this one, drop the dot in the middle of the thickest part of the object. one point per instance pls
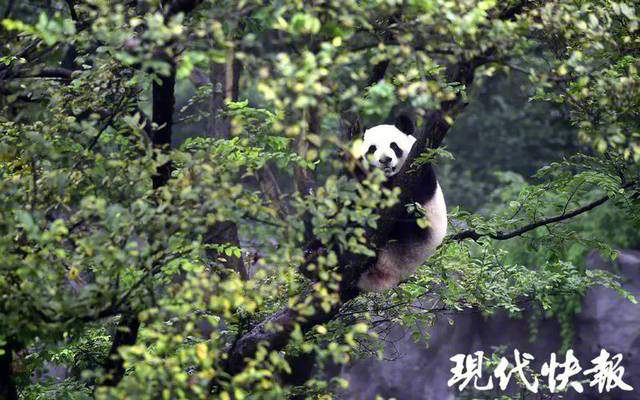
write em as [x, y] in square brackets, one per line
[375, 280]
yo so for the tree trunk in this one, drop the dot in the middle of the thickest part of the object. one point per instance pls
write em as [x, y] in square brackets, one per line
[163, 106]
[218, 126]
[7, 385]
[225, 82]
[125, 335]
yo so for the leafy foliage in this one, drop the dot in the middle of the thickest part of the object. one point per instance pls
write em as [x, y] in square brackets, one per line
[233, 251]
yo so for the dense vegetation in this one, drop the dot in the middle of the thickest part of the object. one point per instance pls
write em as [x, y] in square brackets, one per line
[181, 214]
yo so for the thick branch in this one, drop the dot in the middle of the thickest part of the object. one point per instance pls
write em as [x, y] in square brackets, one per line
[274, 333]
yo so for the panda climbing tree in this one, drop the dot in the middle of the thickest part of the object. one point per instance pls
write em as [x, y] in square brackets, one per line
[387, 147]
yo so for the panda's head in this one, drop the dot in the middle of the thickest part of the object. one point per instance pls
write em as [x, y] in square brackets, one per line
[387, 146]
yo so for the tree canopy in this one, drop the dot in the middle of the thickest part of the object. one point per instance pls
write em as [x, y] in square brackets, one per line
[182, 214]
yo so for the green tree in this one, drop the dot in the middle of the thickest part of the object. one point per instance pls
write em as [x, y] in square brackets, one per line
[223, 265]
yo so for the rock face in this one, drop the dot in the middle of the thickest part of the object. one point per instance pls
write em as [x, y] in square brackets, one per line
[606, 321]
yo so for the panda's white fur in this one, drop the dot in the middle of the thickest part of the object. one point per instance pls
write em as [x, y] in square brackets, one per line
[409, 245]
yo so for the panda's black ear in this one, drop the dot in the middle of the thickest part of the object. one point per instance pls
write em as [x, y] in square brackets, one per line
[405, 124]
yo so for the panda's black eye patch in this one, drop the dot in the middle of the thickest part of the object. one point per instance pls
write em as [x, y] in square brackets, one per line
[372, 149]
[396, 149]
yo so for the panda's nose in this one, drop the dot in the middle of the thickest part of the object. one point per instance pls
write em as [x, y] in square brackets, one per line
[385, 160]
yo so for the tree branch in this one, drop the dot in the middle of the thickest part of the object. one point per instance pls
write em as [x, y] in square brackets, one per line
[473, 234]
[72, 11]
[9, 9]
[103, 128]
[47, 72]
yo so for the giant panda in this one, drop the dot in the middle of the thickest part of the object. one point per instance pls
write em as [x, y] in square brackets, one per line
[387, 147]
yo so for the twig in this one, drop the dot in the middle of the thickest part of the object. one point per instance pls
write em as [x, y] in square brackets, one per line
[566, 205]
[34, 180]
[103, 128]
